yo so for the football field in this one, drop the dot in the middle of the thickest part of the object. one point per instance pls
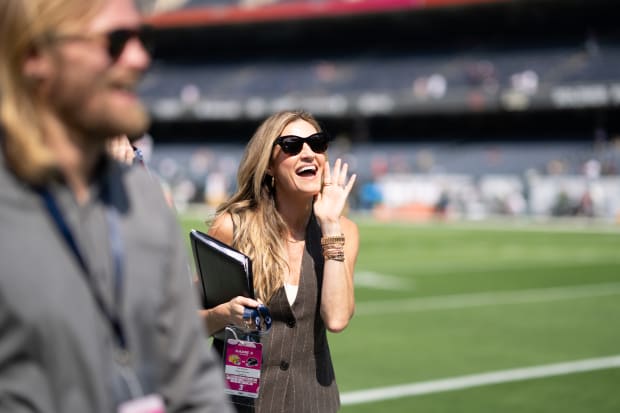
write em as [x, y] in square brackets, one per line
[482, 318]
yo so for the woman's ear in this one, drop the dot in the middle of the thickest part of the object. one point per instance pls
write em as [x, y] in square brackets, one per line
[270, 179]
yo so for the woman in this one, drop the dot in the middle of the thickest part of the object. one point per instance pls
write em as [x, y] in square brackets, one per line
[286, 215]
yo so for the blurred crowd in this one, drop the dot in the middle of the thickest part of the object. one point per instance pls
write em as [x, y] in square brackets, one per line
[424, 180]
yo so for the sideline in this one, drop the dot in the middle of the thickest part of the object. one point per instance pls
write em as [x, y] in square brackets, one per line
[475, 380]
[457, 301]
[573, 225]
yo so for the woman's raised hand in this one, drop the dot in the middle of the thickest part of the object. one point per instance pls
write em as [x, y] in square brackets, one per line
[330, 202]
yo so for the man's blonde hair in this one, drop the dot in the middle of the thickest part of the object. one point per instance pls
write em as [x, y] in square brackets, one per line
[24, 27]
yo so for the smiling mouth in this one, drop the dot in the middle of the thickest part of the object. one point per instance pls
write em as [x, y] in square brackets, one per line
[126, 83]
[307, 171]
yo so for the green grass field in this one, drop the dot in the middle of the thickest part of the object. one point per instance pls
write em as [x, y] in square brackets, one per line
[442, 301]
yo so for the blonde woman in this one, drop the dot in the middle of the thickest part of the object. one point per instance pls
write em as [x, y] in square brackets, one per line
[287, 216]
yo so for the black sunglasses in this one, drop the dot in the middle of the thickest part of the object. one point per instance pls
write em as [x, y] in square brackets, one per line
[116, 40]
[292, 144]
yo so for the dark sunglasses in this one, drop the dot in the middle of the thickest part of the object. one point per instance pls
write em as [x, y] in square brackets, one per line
[115, 40]
[292, 144]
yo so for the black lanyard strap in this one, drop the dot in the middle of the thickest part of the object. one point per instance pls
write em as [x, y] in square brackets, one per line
[61, 224]
[116, 249]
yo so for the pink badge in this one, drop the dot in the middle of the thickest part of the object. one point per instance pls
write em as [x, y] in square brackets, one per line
[242, 367]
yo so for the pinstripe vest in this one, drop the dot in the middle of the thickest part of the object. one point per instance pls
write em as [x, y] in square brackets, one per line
[298, 375]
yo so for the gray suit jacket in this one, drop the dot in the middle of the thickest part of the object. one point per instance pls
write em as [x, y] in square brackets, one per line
[56, 352]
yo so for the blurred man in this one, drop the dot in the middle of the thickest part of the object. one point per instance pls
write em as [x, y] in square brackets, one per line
[97, 313]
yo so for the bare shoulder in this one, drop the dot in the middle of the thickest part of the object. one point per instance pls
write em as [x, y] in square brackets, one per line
[222, 228]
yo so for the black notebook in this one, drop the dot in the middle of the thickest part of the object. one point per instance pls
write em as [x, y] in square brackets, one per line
[223, 272]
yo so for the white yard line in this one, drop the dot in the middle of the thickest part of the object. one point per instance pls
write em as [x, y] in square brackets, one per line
[474, 380]
[457, 301]
[379, 281]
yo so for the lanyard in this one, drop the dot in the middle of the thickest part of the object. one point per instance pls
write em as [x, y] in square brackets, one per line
[259, 318]
[116, 248]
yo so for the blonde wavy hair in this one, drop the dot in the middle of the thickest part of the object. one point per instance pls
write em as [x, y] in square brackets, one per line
[24, 27]
[259, 227]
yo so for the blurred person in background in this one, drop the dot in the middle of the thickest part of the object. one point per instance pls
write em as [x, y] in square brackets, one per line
[287, 216]
[128, 152]
[120, 148]
[97, 311]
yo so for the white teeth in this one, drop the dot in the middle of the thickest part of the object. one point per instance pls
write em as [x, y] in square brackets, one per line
[306, 169]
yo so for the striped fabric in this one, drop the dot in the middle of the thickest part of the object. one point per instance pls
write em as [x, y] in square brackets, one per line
[298, 375]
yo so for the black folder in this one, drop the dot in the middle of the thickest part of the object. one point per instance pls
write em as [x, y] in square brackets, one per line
[223, 272]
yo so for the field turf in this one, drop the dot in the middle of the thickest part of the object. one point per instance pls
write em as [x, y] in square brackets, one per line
[437, 303]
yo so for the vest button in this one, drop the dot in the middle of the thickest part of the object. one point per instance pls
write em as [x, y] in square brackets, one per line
[291, 323]
[284, 365]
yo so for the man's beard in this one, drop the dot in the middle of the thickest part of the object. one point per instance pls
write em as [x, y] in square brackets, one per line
[102, 124]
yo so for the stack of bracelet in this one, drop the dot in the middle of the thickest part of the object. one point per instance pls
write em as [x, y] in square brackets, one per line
[333, 247]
